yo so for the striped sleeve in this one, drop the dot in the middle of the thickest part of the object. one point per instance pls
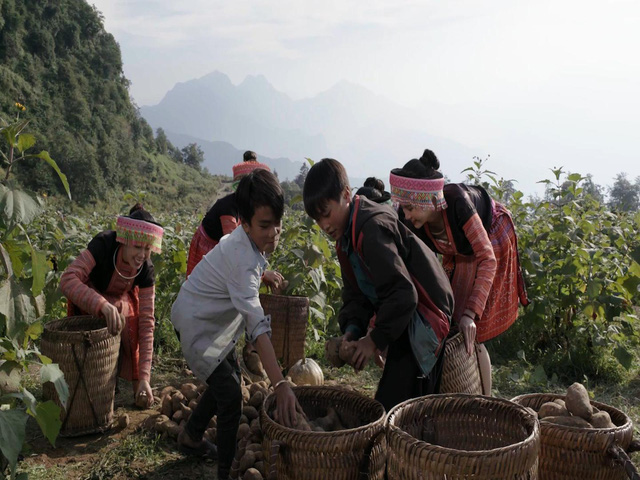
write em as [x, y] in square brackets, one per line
[229, 223]
[146, 326]
[73, 284]
[486, 264]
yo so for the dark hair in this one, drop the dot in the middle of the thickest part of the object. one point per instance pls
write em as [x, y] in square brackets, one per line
[426, 167]
[371, 193]
[139, 213]
[249, 156]
[374, 182]
[260, 188]
[326, 180]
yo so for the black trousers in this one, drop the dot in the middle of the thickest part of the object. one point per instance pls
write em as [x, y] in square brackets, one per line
[223, 397]
[402, 378]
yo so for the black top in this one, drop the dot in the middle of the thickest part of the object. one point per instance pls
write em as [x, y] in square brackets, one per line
[211, 221]
[103, 247]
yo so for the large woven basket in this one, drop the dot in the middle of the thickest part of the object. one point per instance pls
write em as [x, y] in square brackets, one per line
[579, 453]
[359, 452]
[289, 316]
[462, 436]
[460, 371]
[88, 356]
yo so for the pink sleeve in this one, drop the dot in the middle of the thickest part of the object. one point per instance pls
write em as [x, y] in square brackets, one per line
[146, 325]
[73, 284]
[229, 223]
[486, 269]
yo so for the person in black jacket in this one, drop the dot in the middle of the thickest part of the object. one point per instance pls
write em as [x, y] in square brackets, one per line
[388, 271]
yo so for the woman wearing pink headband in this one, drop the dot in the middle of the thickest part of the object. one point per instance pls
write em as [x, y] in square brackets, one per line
[114, 278]
[478, 243]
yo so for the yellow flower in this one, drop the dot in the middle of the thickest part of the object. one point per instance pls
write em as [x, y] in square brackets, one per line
[20, 107]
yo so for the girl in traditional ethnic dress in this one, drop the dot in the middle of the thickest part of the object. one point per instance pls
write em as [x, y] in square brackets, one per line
[222, 218]
[114, 279]
[478, 243]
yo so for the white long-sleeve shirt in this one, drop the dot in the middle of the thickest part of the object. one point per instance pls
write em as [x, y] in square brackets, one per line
[218, 301]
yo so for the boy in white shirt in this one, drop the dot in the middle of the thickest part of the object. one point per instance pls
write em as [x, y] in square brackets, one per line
[217, 302]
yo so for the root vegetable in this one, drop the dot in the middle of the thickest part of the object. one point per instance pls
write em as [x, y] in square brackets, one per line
[552, 409]
[167, 406]
[123, 421]
[332, 351]
[247, 461]
[577, 401]
[602, 420]
[252, 474]
[347, 349]
[177, 400]
[256, 399]
[189, 390]
[243, 430]
[250, 412]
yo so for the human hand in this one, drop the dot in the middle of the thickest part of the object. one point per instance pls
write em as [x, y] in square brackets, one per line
[274, 281]
[380, 357]
[144, 394]
[115, 320]
[468, 328]
[365, 349]
[286, 405]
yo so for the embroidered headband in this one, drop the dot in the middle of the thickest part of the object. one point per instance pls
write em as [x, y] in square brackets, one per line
[244, 168]
[425, 193]
[131, 231]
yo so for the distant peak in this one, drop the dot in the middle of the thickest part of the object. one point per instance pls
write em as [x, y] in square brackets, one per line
[216, 78]
[256, 81]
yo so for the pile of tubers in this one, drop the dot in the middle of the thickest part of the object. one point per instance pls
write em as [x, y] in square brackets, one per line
[177, 404]
[575, 410]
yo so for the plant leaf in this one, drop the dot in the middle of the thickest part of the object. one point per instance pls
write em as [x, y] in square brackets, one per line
[623, 356]
[52, 373]
[13, 423]
[48, 416]
[39, 268]
[17, 206]
[44, 155]
[25, 142]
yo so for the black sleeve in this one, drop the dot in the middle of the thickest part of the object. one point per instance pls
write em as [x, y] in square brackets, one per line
[397, 297]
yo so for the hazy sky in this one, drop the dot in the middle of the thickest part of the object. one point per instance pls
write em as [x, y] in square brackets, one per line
[535, 84]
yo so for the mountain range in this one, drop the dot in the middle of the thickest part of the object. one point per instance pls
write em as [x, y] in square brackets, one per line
[368, 133]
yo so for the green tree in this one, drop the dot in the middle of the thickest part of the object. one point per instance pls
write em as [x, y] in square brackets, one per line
[192, 155]
[624, 196]
[162, 142]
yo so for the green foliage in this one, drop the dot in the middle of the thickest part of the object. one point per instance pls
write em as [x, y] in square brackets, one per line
[307, 259]
[25, 270]
[582, 273]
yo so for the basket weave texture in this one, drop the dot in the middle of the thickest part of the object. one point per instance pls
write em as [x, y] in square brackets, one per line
[358, 452]
[462, 436]
[579, 453]
[88, 356]
[289, 316]
[460, 371]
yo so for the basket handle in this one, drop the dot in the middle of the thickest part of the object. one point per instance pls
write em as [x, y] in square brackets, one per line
[634, 446]
[621, 458]
[276, 445]
[365, 463]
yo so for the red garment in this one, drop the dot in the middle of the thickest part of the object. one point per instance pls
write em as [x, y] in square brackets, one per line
[201, 243]
[489, 282]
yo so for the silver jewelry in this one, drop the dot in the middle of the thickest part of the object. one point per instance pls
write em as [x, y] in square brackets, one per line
[118, 271]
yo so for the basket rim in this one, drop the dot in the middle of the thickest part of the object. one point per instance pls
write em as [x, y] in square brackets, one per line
[283, 296]
[627, 424]
[324, 388]
[49, 326]
[532, 438]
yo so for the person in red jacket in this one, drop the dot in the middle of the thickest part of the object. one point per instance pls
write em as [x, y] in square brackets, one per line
[114, 278]
[222, 218]
[478, 243]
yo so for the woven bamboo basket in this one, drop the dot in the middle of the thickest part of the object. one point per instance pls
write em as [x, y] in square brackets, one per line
[460, 371]
[579, 453]
[462, 436]
[289, 316]
[88, 356]
[358, 452]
